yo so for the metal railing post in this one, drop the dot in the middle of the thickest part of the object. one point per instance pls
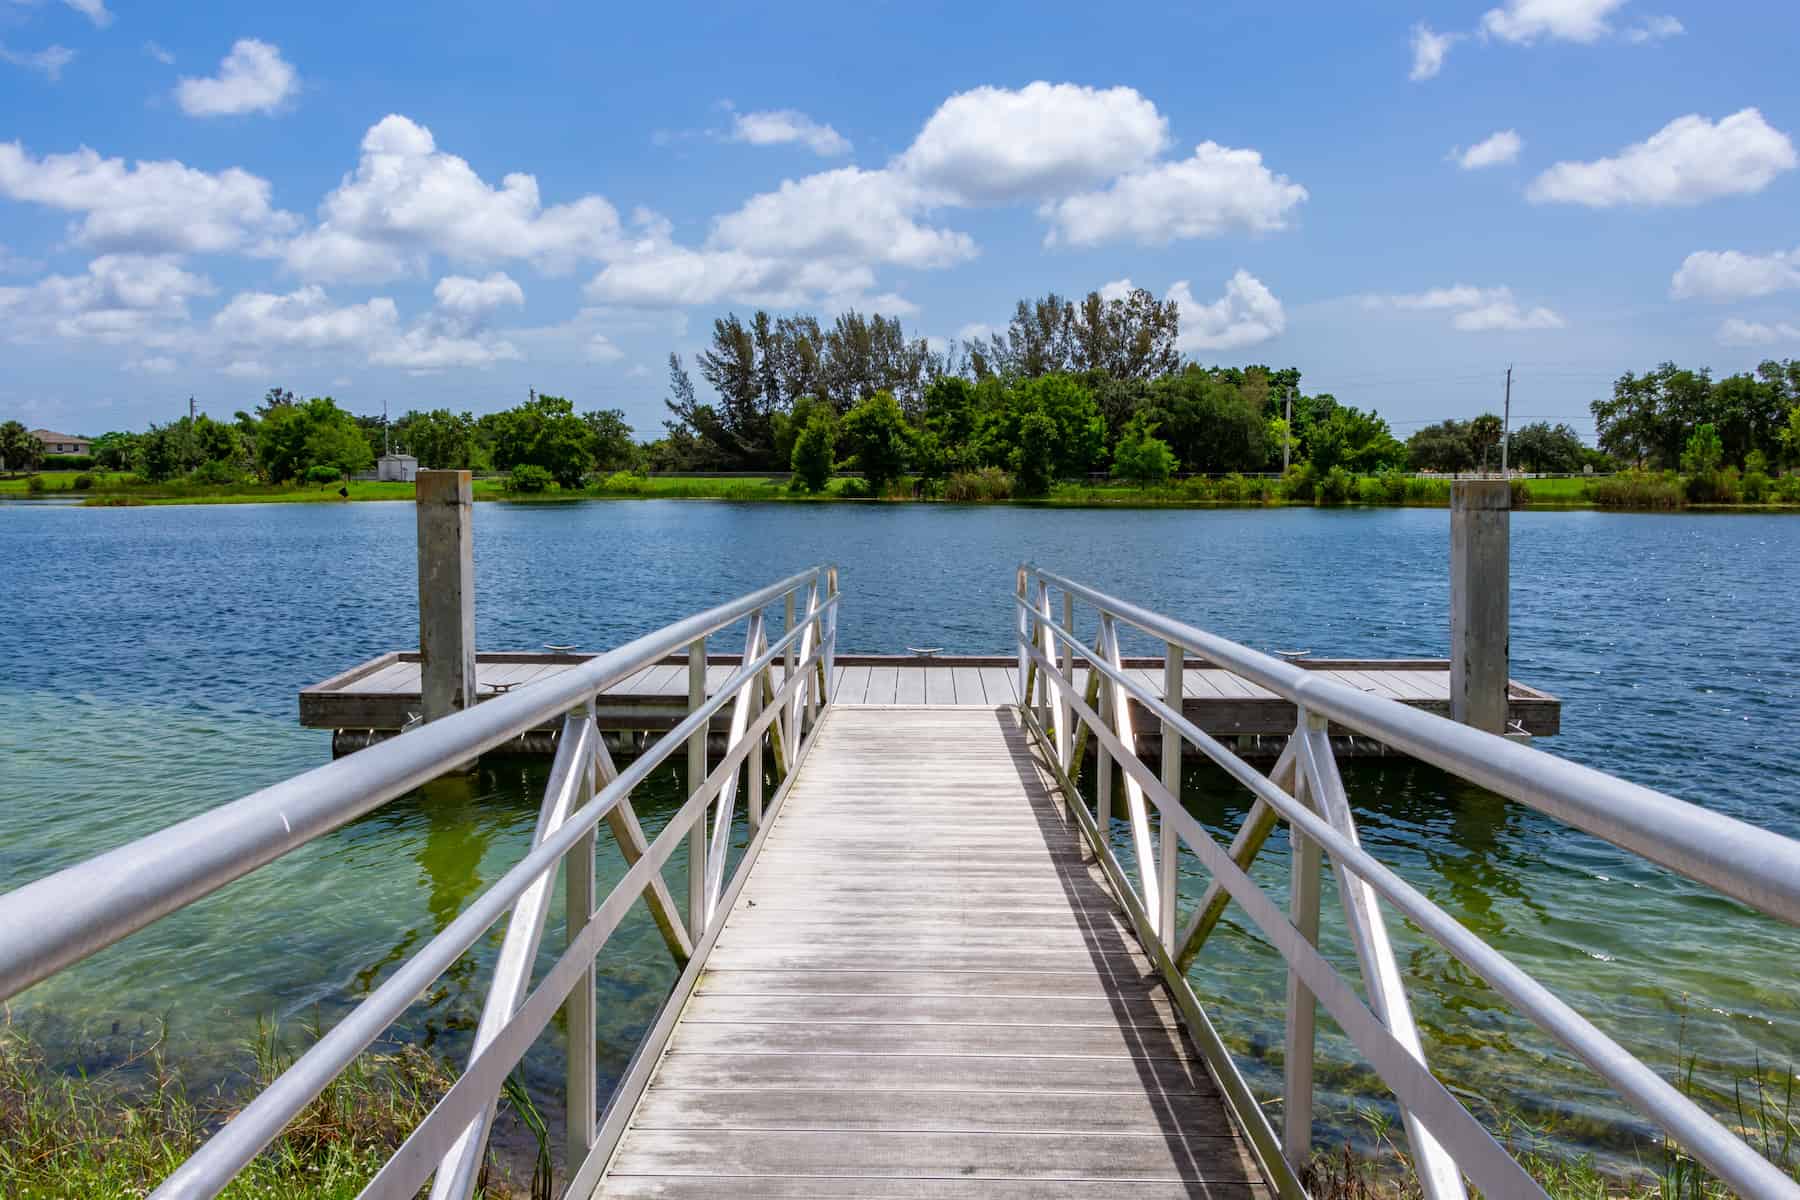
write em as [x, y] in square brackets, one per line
[830, 645]
[1304, 875]
[1024, 630]
[1103, 757]
[754, 763]
[812, 684]
[790, 734]
[580, 1010]
[696, 775]
[1168, 841]
[1065, 735]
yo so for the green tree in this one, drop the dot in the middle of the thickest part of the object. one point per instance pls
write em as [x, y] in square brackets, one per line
[1141, 456]
[1033, 461]
[610, 441]
[294, 438]
[1705, 451]
[880, 440]
[542, 432]
[1484, 435]
[1790, 434]
[1441, 447]
[1546, 448]
[813, 451]
[18, 449]
[1209, 425]
[114, 451]
[1078, 434]
[440, 439]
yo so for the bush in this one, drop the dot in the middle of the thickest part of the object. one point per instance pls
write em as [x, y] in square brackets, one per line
[66, 462]
[1637, 489]
[223, 472]
[1230, 489]
[1200, 488]
[623, 483]
[855, 489]
[1787, 489]
[1756, 488]
[83, 482]
[1395, 487]
[35, 484]
[1370, 491]
[1141, 457]
[1298, 483]
[813, 449]
[1521, 494]
[1260, 490]
[1337, 486]
[1713, 487]
[527, 477]
[320, 475]
[989, 483]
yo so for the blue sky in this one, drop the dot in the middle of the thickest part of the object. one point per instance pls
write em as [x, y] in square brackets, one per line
[445, 205]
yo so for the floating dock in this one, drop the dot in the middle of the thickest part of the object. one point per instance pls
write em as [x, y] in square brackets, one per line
[380, 697]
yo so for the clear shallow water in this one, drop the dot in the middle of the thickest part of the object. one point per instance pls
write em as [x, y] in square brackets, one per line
[152, 657]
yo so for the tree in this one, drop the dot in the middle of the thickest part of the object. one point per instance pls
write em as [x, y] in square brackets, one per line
[609, 440]
[1141, 456]
[1032, 461]
[880, 440]
[1548, 449]
[730, 366]
[1441, 447]
[813, 450]
[18, 449]
[113, 451]
[698, 439]
[1484, 434]
[1128, 337]
[296, 437]
[542, 432]
[1704, 452]
[1790, 434]
[1039, 340]
[1207, 423]
[440, 439]
[1077, 436]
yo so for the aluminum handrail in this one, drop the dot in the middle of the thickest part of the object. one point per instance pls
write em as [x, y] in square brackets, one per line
[1315, 775]
[1751, 865]
[65, 917]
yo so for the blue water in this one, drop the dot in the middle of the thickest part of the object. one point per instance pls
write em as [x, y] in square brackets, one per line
[151, 658]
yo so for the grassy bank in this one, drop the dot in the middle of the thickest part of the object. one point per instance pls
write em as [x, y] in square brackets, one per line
[1645, 491]
[103, 1138]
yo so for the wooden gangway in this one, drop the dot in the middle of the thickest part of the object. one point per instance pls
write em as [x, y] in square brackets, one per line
[947, 953]
[927, 988]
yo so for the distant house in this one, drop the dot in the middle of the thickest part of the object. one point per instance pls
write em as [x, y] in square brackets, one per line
[397, 468]
[62, 443]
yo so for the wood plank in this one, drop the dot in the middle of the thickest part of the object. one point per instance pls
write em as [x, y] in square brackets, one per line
[855, 685]
[1001, 685]
[927, 1073]
[940, 685]
[1111, 1040]
[909, 685]
[968, 685]
[714, 1007]
[884, 685]
[1078, 1113]
[863, 981]
[822, 1187]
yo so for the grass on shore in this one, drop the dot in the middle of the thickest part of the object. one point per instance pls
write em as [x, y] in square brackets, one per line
[102, 1139]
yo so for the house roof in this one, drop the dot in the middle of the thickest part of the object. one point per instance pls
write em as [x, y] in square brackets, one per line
[50, 435]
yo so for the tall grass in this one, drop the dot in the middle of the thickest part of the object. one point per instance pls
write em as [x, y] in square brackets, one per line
[103, 1138]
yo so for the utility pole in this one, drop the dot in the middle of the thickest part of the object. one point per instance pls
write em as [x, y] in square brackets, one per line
[386, 449]
[190, 410]
[1506, 421]
[1287, 437]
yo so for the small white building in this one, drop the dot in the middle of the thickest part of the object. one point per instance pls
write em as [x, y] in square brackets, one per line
[397, 468]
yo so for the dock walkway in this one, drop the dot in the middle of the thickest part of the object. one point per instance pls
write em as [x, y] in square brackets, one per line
[926, 989]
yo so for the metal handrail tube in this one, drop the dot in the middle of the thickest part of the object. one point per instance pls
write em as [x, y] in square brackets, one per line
[1754, 866]
[61, 919]
[1728, 1156]
[214, 1165]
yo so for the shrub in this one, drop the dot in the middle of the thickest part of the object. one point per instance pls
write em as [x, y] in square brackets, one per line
[1200, 488]
[1370, 491]
[1141, 457]
[320, 475]
[1713, 486]
[1298, 483]
[1336, 487]
[1756, 488]
[223, 472]
[989, 483]
[1230, 488]
[1636, 489]
[83, 482]
[812, 457]
[623, 483]
[1521, 494]
[1787, 489]
[66, 462]
[1260, 490]
[35, 484]
[1396, 487]
[855, 489]
[527, 477]
[1032, 461]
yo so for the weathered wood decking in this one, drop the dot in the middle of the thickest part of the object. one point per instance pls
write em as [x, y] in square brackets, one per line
[381, 693]
[924, 990]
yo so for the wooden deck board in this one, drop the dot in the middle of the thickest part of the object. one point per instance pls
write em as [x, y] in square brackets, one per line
[868, 1024]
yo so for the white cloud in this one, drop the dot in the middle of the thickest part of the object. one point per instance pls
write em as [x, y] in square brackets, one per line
[146, 207]
[1476, 309]
[245, 368]
[408, 199]
[1218, 189]
[1502, 147]
[996, 145]
[1525, 21]
[849, 213]
[1429, 50]
[253, 78]
[302, 319]
[678, 275]
[782, 126]
[50, 61]
[1739, 332]
[1655, 29]
[153, 364]
[638, 371]
[601, 349]
[1246, 314]
[1116, 289]
[1731, 275]
[478, 297]
[120, 298]
[975, 331]
[159, 54]
[424, 349]
[1688, 161]
[93, 10]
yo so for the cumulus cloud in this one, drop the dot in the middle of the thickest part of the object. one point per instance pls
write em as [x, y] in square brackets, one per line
[148, 206]
[1655, 29]
[1731, 275]
[159, 54]
[600, 348]
[478, 297]
[152, 364]
[1688, 161]
[253, 78]
[1428, 51]
[1500, 148]
[120, 298]
[868, 216]
[1246, 314]
[407, 200]
[1116, 289]
[93, 10]
[49, 61]
[1525, 21]
[1475, 309]
[783, 126]
[1739, 332]
[997, 145]
[1218, 190]
[254, 325]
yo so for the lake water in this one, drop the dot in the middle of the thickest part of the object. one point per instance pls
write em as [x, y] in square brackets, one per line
[151, 658]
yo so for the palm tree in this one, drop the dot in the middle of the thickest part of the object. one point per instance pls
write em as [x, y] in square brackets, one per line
[1484, 431]
[18, 449]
